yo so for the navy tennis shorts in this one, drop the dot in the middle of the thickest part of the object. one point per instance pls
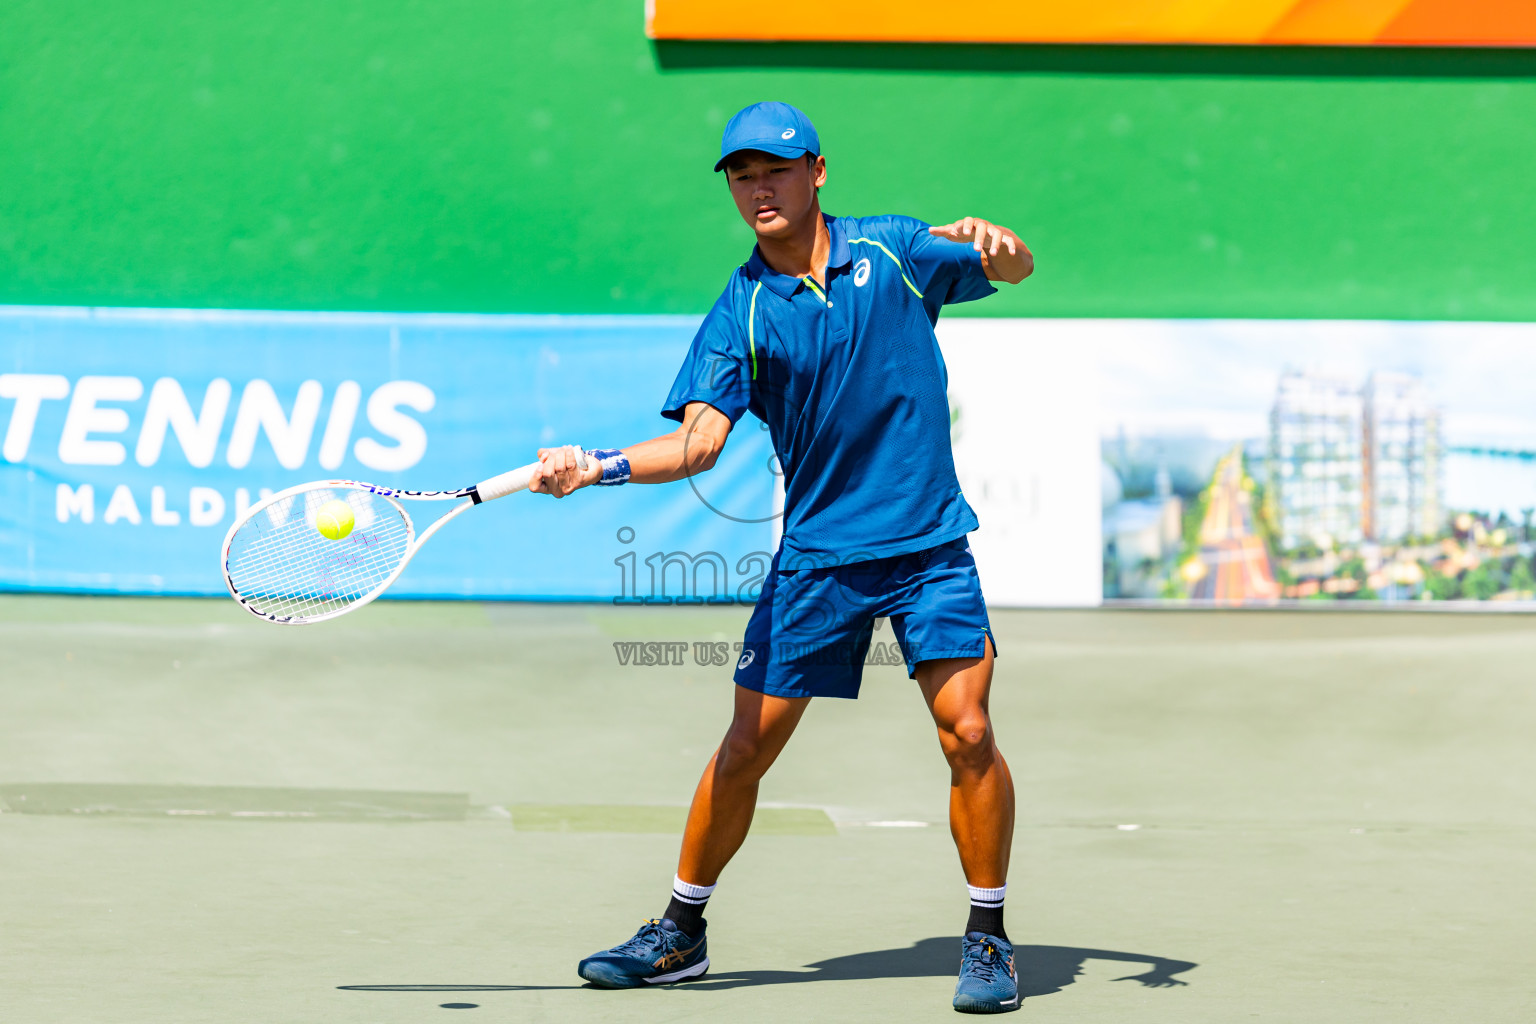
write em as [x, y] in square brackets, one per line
[810, 633]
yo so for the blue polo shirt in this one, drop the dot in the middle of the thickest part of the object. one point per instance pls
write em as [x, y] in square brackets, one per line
[851, 384]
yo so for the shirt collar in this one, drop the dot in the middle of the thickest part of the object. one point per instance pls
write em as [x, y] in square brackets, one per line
[839, 256]
[786, 286]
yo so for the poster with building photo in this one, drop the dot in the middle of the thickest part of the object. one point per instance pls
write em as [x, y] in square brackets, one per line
[1265, 462]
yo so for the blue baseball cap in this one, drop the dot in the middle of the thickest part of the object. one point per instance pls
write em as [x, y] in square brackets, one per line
[776, 128]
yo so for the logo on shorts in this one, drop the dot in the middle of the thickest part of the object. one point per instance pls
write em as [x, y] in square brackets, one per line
[860, 273]
[746, 659]
[788, 133]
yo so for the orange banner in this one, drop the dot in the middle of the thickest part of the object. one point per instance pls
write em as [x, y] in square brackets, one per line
[1299, 22]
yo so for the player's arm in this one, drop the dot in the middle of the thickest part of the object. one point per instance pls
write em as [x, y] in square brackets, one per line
[689, 450]
[1004, 256]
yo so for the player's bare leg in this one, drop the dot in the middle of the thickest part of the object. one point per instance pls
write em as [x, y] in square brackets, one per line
[980, 788]
[723, 804]
[981, 820]
[673, 947]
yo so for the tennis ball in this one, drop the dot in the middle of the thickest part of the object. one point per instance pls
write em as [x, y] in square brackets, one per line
[334, 520]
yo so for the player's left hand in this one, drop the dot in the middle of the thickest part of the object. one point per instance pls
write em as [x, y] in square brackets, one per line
[985, 237]
[1003, 256]
[560, 471]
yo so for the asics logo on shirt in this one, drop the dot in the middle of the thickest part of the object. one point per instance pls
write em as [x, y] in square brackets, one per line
[746, 659]
[860, 273]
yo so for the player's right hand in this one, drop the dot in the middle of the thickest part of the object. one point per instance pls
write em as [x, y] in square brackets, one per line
[560, 472]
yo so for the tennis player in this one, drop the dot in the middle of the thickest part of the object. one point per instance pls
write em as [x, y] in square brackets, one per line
[826, 334]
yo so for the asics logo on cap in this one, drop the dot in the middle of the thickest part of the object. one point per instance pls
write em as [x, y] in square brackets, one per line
[789, 133]
[860, 273]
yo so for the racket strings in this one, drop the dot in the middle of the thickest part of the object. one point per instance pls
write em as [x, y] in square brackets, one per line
[278, 576]
[282, 566]
[293, 572]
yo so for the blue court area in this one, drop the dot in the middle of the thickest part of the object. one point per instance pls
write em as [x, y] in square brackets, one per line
[428, 810]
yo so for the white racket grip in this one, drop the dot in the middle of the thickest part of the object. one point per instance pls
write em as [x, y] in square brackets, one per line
[506, 483]
[516, 480]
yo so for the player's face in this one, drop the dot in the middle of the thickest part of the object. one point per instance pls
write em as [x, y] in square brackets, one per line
[774, 194]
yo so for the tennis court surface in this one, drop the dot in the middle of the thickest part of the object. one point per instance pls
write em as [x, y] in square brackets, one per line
[1290, 817]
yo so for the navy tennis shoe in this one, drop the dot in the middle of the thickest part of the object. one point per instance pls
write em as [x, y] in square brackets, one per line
[988, 983]
[659, 953]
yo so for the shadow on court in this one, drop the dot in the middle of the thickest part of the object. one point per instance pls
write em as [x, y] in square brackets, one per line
[457, 988]
[1042, 970]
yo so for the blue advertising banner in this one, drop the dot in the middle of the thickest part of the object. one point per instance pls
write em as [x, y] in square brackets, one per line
[132, 438]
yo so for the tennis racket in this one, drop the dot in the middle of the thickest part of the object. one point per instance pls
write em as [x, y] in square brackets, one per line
[281, 568]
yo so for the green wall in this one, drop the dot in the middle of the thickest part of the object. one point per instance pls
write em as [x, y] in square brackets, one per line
[507, 155]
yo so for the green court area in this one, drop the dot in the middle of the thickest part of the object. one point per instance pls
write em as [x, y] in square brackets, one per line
[428, 810]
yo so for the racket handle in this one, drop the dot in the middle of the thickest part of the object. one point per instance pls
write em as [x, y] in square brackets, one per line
[506, 483]
[513, 481]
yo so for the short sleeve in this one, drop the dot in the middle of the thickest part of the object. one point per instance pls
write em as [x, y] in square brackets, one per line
[715, 369]
[944, 271]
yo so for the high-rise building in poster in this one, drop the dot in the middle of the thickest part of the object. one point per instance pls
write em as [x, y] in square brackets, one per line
[1401, 457]
[1316, 470]
[1350, 464]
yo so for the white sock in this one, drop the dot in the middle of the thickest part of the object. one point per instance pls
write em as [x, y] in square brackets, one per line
[989, 898]
[687, 892]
